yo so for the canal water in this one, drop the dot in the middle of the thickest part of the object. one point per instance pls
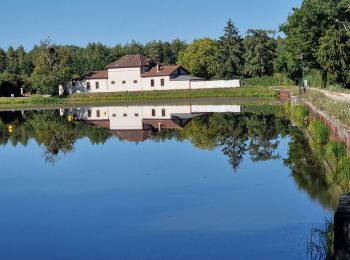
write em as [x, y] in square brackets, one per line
[205, 181]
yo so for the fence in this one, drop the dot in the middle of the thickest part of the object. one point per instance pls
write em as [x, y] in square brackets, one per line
[215, 84]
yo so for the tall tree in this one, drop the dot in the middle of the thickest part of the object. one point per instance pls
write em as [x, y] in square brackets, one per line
[231, 53]
[334, 55]
[259, 53]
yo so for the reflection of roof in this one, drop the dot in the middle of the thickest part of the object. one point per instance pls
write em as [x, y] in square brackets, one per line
[99, 123]
[132, 135]
[163, 71]
[186, 77]
[97, 75]
[166, 123]
[131, 61]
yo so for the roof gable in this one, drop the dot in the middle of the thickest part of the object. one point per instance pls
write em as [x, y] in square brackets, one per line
[131, 61]
[97, 75]
[163, 71]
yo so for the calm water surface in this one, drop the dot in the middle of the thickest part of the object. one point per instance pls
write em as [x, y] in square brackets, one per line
[157, 182]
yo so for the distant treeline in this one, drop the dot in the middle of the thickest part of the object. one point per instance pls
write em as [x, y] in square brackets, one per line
[317, 45]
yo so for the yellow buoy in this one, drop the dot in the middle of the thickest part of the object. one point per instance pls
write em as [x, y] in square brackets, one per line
[70, 118]
[11, 128]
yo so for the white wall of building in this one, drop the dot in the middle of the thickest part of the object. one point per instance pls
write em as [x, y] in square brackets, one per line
[102, 85]
[215, 84]
[124, 79]
[216, 108]
[126, 118]
[168, 84]
[97, 113]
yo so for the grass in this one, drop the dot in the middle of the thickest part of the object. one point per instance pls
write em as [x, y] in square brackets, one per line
[338, 109]
[319, 132]
[334, 151]
[343, 172]
[98, 98]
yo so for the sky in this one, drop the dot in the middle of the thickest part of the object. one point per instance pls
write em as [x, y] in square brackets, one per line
[79, 22]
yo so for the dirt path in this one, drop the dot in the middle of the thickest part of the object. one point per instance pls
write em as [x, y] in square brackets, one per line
[335, 95]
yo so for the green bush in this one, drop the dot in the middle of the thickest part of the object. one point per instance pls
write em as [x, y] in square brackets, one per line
[298, 114]
[319, 132]
[334, 152]
[277, 79]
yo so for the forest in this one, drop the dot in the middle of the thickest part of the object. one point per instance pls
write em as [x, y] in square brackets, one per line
[313, 43]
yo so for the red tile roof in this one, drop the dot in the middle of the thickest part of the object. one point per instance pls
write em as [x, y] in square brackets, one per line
[97, 75]
[163, 71]
[166, 123]
[131, 61]
[99, 123]
[136, 136]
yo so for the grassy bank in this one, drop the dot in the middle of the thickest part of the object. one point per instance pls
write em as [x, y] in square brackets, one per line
[331, 151]
[98, 98]
[337, 109]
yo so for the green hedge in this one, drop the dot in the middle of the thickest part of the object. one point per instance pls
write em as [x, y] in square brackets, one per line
[277, 79]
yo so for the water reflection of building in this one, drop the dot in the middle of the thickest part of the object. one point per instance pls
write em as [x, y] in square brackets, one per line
[137, 123]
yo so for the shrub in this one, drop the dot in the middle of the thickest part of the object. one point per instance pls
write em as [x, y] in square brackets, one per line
[334, 152]
[319, 132]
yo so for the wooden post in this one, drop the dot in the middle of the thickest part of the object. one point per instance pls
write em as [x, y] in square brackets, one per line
[342, 228]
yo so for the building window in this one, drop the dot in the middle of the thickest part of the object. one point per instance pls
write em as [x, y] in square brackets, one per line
[163, 112]
[97, 85]
[136, 115]
[113, 82]
[114, 115]
[135, 81]
[98, 113]
[124, 82]
[162, 82]
[125, 115]
[152, 82]
[89, 113]
[88, 86]
[153, 112]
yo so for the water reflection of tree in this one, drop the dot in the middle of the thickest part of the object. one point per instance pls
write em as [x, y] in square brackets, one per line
[309, 173]
[236, 134]
[54, 133]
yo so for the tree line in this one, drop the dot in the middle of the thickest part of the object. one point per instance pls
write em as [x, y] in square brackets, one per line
[316, 45]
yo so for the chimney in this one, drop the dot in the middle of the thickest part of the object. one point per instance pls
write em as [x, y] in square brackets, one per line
[158, 68]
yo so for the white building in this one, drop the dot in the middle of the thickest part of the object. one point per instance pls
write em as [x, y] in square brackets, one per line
[141, 73]
[134, 123]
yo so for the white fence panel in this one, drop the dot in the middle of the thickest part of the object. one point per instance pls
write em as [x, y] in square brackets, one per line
[215, 84]
[216, 109]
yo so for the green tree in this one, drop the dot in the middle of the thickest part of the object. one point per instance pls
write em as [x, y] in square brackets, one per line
[284, 62]
[334, 55]
[201, 58]
[177, 46]
[52, 68]
[259, 53]
[231, 53]
[2, 60]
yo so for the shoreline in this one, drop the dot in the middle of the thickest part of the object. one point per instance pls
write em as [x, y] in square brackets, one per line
[83, 99]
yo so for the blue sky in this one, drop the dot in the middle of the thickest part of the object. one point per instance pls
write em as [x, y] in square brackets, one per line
[78, 22]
